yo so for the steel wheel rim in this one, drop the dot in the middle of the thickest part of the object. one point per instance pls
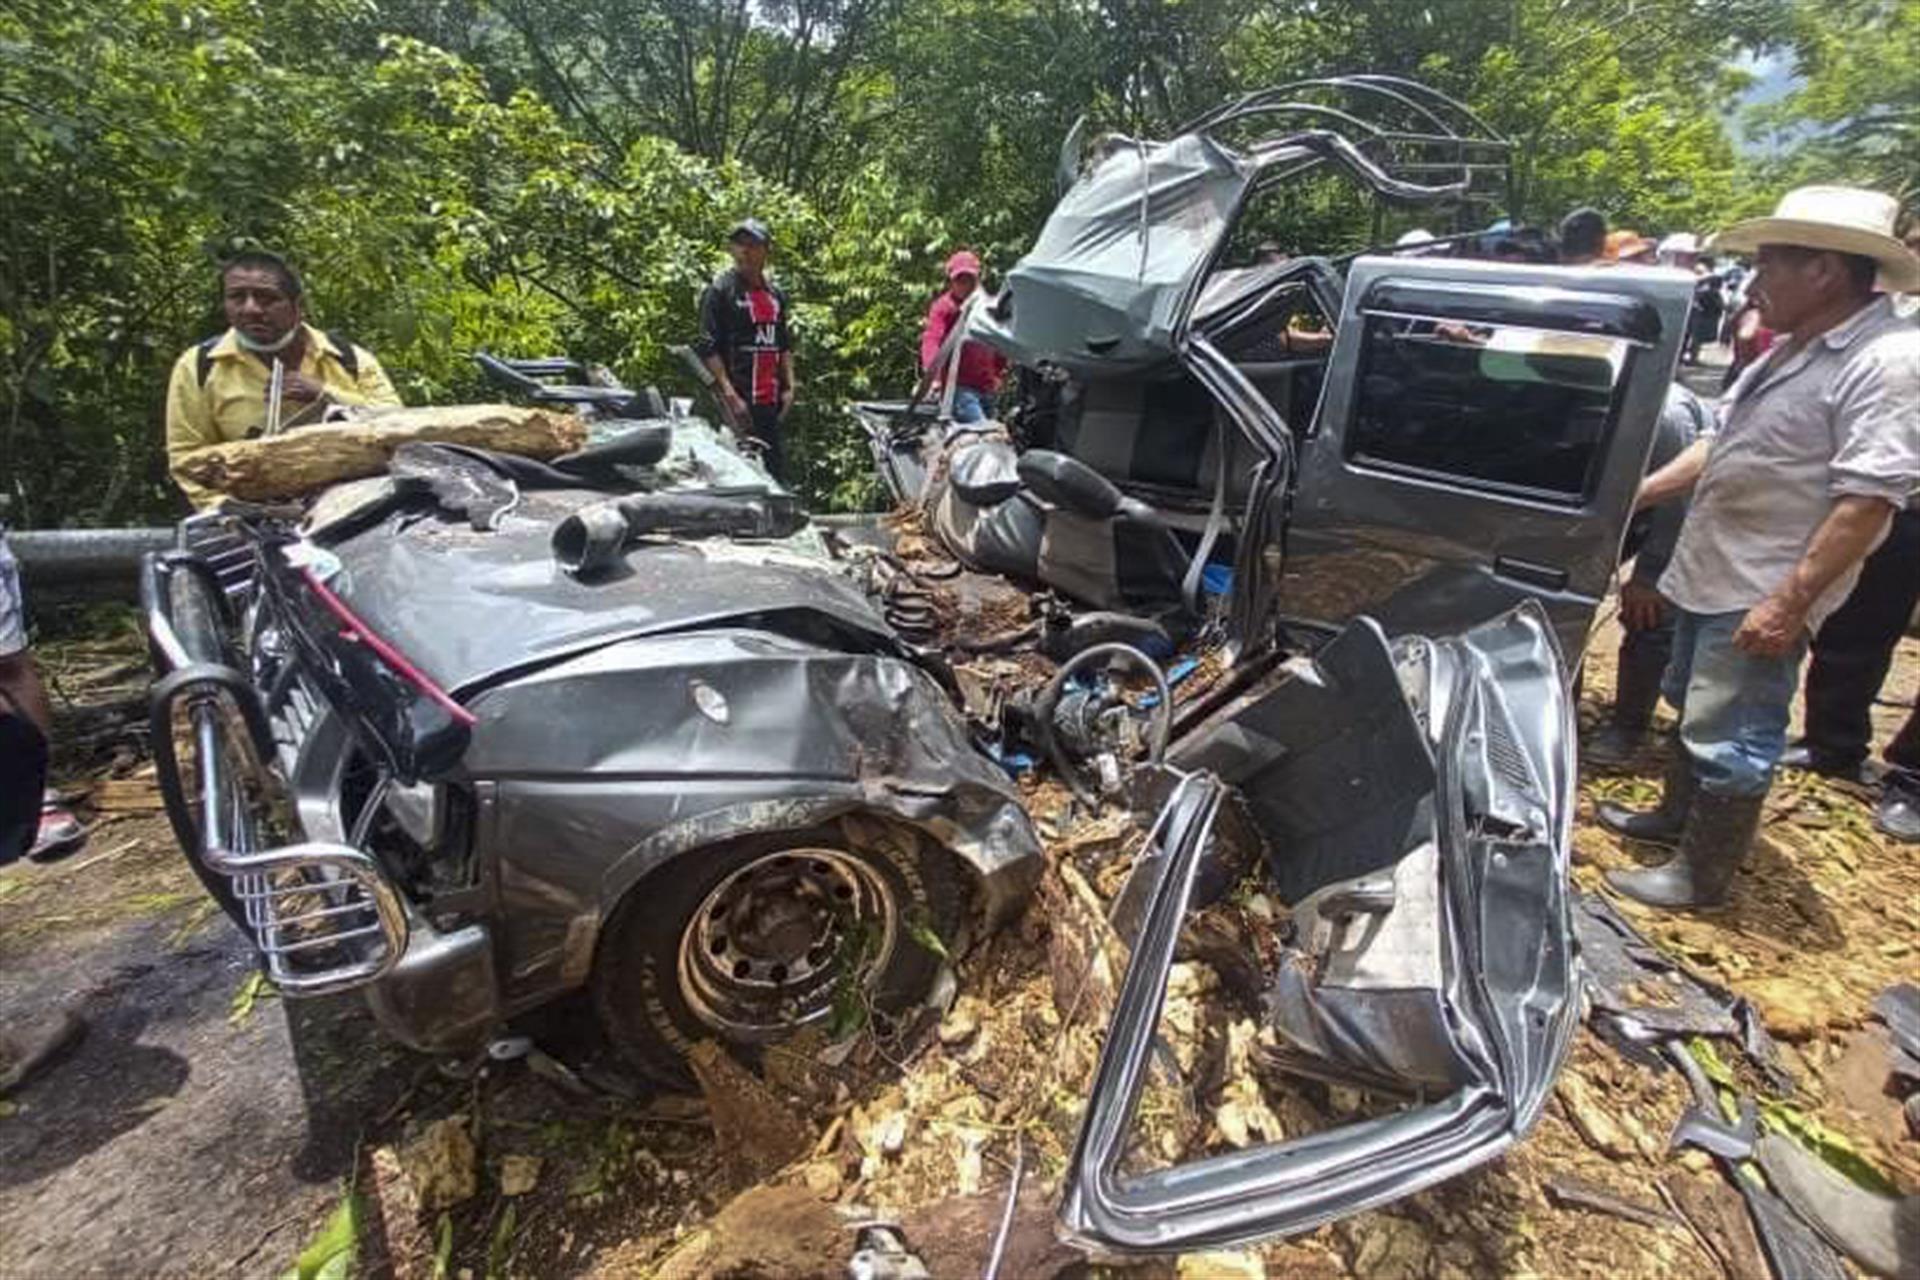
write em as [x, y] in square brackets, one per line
[768, 948]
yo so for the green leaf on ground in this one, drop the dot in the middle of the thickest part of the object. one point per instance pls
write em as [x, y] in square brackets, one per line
[195, 920]
[1781, 1117]
[1834, 1148]
[255, 988]
[443, 1249]
[921, 930]
[330, 1254]
[157, 904]
[501, 1245]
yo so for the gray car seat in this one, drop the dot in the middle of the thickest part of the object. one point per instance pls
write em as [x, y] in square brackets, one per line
[1049, 518]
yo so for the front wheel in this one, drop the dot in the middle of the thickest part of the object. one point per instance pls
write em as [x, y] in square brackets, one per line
[749, 941]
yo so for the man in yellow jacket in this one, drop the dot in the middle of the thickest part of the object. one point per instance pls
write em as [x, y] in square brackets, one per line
[220, 387]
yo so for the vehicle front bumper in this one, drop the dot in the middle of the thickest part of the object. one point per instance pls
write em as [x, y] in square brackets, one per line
[443, 995]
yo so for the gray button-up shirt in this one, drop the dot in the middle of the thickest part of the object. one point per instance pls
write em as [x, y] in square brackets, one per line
[1840, 417]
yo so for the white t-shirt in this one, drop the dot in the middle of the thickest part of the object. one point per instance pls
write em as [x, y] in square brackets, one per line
[13, 621]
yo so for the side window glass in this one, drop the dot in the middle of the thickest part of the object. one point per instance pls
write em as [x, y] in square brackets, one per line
[1500, 407]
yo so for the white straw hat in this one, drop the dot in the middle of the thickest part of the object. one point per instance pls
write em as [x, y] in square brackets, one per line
[1680, 242]
[1843, 219]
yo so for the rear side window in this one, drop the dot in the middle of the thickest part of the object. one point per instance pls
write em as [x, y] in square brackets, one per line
[1501, 407]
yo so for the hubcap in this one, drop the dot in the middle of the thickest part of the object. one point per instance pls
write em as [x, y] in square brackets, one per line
[768, 946]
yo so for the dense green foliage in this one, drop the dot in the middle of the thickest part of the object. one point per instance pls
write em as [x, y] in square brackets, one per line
[527, 177]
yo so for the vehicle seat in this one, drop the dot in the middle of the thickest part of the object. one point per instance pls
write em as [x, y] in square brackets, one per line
[1160, 439]
[1060, 523]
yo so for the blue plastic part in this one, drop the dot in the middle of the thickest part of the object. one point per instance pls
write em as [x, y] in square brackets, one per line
[1217, 579]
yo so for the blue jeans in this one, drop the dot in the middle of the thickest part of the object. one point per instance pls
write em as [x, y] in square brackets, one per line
[968, 405]
[1734, 706]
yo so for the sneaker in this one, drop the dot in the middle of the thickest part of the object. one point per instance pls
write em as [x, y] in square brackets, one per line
[60, 832]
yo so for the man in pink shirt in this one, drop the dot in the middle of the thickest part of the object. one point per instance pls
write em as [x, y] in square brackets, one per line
[978, 377]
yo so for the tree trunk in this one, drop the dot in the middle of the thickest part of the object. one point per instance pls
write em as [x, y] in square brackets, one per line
[287, 466]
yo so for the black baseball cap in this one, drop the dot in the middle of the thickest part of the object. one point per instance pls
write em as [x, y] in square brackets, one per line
[750, 229]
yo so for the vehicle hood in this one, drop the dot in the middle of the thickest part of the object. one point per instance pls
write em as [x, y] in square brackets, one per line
[470, 607]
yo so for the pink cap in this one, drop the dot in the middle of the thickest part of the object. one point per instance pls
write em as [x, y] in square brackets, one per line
[963, 263]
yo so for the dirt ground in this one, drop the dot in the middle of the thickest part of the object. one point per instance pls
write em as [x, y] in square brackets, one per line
[201, 1127]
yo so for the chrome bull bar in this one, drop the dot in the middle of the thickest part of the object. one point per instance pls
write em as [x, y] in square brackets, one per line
[324, 916]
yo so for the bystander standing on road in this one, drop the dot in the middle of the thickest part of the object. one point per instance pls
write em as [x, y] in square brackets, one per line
[976, 379]
[746, 340]
[1818, 447]
[1681, 251]
[1852, 653]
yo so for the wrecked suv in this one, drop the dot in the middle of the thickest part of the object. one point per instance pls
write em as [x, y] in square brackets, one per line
[484, 731]
[1382, 497]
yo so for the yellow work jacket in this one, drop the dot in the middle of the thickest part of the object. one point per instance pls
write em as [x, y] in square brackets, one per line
[230, 402]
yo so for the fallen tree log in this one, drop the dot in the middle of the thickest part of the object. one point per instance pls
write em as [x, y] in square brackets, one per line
[286, 466]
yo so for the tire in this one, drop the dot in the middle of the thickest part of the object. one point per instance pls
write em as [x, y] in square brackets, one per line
[667, 972]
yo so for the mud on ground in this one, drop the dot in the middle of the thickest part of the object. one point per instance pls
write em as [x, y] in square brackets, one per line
[202, 1127]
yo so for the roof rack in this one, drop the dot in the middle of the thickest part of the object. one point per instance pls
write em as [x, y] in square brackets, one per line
[1404, 139]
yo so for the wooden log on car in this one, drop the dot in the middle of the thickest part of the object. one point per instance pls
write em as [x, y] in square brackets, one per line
[285, 466]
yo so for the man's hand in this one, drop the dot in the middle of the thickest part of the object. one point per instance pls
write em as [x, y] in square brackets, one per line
[1852, 529]
[1771, 628]
[1641, 607]
[736, 404]
[786, 399]
[298, 386]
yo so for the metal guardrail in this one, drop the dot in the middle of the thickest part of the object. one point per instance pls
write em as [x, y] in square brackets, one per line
[84, 558]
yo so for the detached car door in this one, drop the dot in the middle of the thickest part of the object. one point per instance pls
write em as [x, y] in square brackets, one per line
[1481, 435]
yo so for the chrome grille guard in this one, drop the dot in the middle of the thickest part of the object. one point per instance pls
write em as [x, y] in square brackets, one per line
[324, 916]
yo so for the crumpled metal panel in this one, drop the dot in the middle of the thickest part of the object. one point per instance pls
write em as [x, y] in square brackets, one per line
[1364, 991]
[1107, 284]
[609, 764]
[469, 607]
[1504, 984]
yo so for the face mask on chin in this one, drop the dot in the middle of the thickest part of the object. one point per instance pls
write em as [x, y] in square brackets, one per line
[266, 348]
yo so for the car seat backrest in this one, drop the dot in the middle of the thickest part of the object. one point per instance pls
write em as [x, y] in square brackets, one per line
[1166, 433]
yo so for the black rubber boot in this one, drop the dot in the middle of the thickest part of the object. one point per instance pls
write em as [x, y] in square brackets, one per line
[1636, 692]
[1664, 823]
[1720, 830]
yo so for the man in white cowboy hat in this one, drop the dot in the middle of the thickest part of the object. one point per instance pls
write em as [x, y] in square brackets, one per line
[1819, 445]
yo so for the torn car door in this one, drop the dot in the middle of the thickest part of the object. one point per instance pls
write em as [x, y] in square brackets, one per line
[1432, 953]
[1482, 434]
